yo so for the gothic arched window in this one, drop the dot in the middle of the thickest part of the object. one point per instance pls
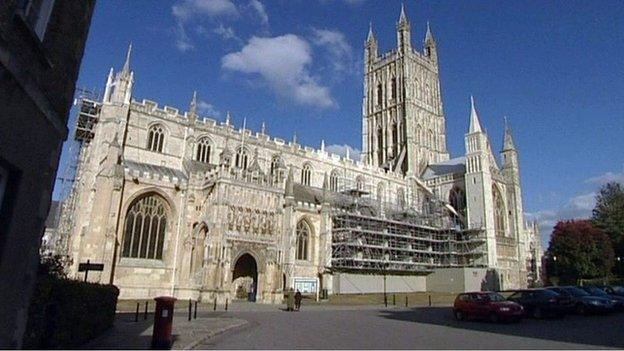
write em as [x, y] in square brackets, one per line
[146, 225]
[156, 138]
[380, 145]
[379, 94]
[333, 181]
[499, 212]
[276, 173]
[457, 199]
[306, 174]
[395, 140]
[359, 183]
[401, 197]
[303, 237]
[381, 189]
[203, 150]
[394, 88]
[241, 158]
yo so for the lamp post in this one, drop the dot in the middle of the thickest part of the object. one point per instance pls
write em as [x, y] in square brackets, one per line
[385, 263]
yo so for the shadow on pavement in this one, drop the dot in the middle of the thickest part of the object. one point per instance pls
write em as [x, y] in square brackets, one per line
[599, 330]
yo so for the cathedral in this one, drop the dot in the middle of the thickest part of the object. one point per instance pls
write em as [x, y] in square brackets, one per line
[174, 203]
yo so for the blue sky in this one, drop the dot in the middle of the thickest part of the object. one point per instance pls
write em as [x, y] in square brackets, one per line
[554, 68]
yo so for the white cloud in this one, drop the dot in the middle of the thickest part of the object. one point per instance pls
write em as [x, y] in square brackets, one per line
[225, 32]
[283, 64]
[607, 178]
[340, 53]
[183, 42]
[186, 9]
[260, 10]
[341, 150]
[208, 109]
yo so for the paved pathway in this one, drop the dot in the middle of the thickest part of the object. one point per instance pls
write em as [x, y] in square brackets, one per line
[371, 327]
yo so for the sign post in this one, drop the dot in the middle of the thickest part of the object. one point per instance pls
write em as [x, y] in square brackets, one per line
[86, 267]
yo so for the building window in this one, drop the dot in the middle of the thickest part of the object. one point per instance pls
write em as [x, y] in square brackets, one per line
[276, 169]
[395, 140]
[306, 175]
[381, 193]
[499, 212]
[146, 225]
[379, 94]
[394, 88]
[380, 146]
[401, 198]
[359, 183]
[36, 14]
[156, 138]
[457, 199]
[241, 158]
[203, 150]
[333, 181]
[303, 236]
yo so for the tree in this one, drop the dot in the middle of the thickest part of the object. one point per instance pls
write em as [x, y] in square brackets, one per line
[578, 249]
[608, 215]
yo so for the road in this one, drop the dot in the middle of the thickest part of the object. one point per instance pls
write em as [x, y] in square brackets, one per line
[325, 327]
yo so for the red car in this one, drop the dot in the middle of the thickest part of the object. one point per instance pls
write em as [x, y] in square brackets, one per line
[486, 305]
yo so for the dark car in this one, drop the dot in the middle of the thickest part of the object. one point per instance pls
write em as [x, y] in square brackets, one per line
[486, 305]
[618, 301]
[582, 302]
[539, 303]
[613, 290]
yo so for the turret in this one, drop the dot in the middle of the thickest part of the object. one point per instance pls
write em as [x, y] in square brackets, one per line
[119, 89]
[404, 41]
[370, 47]
[429, 47]
[509, 152]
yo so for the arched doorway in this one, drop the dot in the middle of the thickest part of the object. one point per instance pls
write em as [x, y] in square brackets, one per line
[245, 277]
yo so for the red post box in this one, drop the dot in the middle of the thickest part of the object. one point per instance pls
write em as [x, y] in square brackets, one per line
[163, 323]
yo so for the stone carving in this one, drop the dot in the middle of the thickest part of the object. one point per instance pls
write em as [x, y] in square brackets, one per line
[251, 221]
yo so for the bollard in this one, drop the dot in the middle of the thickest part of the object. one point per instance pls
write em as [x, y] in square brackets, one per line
[190, 309]
[145, 313]
[405, 300]
[385, 300]
[136, 315]
[429, 300]
[226, 304]
[394, 299]
[214, 308]
[195, 315]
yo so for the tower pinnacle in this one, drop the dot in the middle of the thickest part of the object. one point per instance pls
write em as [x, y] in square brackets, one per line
[402, 17]
[371, 35]
[475, 126]
[126, 67]
[508, 143]
[193, 106]
[428, 36]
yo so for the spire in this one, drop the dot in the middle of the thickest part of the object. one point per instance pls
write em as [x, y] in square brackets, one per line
[322, 145]
[428, 36]
[193, 106]
[371, 35]
[402, 17]
[475, 126]
[263, 129]
[227, 118]
[126, 67]
[508, 143]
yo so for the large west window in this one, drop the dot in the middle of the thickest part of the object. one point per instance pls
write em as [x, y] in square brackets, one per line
[146, 226]
[499, 212]
[303, 238]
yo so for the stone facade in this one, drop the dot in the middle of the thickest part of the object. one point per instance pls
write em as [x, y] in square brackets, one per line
[172, 203]
[41, 47]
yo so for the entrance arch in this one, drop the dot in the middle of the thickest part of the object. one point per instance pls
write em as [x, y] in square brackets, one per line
[245, 276]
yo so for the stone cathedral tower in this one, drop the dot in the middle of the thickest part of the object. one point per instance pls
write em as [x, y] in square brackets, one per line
[403, 125]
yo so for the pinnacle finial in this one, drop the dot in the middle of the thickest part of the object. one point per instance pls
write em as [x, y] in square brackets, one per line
[508, 143]
[371, 35]
[263, 128]
[227, 118]
[428, 36]
[402, 17]
[193, 106]
[475, 126]
[126, 67]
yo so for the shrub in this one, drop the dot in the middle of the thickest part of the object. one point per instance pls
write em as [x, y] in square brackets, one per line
[67, 313]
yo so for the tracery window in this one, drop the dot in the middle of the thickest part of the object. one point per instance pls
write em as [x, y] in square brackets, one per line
[499, 212]
[380, 145]
[146, 225]
[303, 237]
[359, 183]
[333, 181]
[457, 199]
[241, 158]
[306, 174]
[379, 94]
[395, 140]
[275, 169]
[394, 88]
[156, 138]
[203, 150]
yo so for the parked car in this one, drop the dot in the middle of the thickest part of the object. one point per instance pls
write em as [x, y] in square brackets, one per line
[613, 290]
[618, 301]
[539, 303]
[486, 305]
[582, 302]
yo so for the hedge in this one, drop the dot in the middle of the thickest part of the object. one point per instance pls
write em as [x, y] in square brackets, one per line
[67, 313]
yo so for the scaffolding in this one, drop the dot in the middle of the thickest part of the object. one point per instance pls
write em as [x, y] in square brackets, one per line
[88, 114]
[370, 236]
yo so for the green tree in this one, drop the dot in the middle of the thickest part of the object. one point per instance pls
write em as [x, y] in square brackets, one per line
[608, 215]
[578, 249]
